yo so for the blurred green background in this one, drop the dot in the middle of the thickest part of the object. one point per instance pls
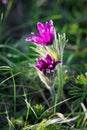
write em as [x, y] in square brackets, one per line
[18, 18]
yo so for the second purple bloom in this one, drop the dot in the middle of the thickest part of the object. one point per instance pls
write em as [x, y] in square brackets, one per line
[47, 65]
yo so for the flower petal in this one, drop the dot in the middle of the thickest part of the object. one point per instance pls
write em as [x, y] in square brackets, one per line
[41, 61]
[30, 39]
[41, 27]
[45, 36]
[51, 23]
[48, 59]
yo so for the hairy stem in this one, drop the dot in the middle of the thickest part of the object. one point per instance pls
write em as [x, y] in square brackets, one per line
[60, 85]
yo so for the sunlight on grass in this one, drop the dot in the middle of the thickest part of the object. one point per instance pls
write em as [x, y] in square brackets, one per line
[56, 101]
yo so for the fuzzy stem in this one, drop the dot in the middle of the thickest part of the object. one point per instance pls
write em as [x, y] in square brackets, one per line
[60, 89]
[60, 86]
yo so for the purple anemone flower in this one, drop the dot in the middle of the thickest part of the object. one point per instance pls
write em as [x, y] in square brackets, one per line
[45, 36]
[48, 65]
[5, 1]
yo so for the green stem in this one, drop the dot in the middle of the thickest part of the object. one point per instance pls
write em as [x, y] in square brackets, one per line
[14, 91]
[28, 111]
[53, 97]
[60, 85]
[60, 89]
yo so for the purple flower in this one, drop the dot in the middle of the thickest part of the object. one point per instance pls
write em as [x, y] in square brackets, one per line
[45, 36]
[5, 1]
[48, 65]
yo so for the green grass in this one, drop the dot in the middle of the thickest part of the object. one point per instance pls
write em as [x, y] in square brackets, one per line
[24, 101]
